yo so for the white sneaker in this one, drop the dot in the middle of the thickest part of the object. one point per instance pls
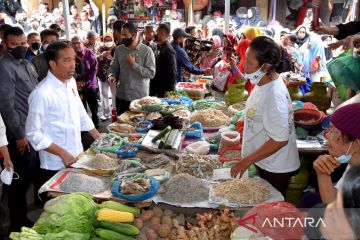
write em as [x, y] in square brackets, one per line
[102, 118]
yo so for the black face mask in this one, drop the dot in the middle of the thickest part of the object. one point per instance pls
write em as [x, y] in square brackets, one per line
[35, 46]
[18, 52]
[127, 41]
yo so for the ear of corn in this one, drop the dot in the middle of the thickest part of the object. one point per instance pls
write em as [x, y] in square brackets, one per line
[114, 216]
[120, 207]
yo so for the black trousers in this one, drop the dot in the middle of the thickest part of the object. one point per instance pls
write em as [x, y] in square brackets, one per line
[122, 106]
[25, 167]
[43, 176]
[280, 181]
[89, 97]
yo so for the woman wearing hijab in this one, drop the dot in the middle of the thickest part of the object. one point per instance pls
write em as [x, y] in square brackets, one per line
[315, 52]
[210, 58]
[251, 33]
[302, 36]
[248, 35]
[229, 46]
[343, 138]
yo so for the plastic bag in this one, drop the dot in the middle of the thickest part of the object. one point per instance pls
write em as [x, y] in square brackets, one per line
[127, 151]
[221, 74]
[270, 212]
[229, 139]
[237, 116]
[345, 71]
[196, 132]
[315, 65]
[229, 154]
[201, 147]
[155, 185]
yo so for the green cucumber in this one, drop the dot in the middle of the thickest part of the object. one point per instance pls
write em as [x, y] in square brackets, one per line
[161, 134]
[111, 235]
[171, 138]
[122, 228]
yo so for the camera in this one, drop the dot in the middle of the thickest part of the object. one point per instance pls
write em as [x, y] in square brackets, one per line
[195, 48]
[198, 45]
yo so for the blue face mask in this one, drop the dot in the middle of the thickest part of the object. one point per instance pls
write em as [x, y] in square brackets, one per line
[344, 158]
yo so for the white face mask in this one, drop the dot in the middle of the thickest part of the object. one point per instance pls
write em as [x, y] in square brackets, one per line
[256, 76]
[7, 176]
[109, 44]
[45, 46]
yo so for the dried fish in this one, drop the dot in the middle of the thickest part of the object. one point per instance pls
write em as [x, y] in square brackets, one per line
[210, 117]
[77, 182]
[135, 186]
[184, 188]
[102, 162]
[244, 190]
[156, 161]
[200, 166]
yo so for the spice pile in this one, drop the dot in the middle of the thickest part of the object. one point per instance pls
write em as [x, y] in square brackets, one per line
[183, 188]
[200, 166]
[76, 182]
[210, 117]
[210, 226]
[245, 191]
[102, 162]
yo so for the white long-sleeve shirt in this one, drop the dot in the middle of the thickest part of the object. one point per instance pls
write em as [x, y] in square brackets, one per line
[3, 139]
[56, 115]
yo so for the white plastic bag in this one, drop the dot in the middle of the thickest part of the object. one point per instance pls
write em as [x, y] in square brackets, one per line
[201, 147]
[229, 139]
[221, 74]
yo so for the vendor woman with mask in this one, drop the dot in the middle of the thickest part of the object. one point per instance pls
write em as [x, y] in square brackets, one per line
[269, 138]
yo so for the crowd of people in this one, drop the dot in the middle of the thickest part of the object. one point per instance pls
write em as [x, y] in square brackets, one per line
[49, 83]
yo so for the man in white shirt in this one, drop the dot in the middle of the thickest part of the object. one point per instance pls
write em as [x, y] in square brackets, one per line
[56, 114]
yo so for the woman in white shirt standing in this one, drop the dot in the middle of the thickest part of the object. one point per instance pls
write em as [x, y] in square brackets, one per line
[269, 138]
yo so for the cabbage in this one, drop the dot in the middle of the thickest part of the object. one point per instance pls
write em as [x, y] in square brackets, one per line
[54, 223]
[71, 213]
[30, 234]
[74, 203]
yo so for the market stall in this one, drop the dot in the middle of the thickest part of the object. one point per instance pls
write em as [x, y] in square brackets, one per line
[171, 158]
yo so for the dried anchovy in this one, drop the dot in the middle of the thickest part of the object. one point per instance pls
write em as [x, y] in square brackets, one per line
[200, 166]
[244, 190]
[83, 183]
[102, 161]
[184, 188]
[107, 141]
[232, 154]
[157, 161]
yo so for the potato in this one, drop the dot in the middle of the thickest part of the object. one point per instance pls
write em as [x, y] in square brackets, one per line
[142, 236]
[155, 223]
[147, 215]
[167, 220]
[168, 212]
[138, 223]
[158, 212]
[151, 234]
[164, 230]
